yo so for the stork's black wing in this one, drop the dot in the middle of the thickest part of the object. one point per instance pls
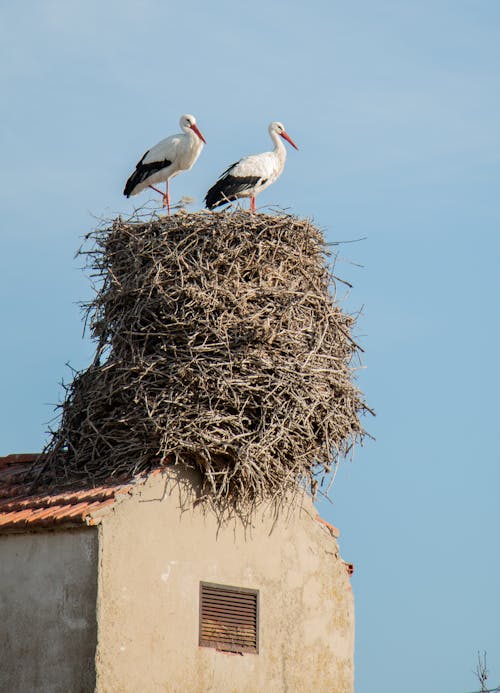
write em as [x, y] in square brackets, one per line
[229, 187]
[142, 172]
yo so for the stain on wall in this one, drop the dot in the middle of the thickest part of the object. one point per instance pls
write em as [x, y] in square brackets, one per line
[48, 590]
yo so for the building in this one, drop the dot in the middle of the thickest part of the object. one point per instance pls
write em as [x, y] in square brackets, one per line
[138, 587]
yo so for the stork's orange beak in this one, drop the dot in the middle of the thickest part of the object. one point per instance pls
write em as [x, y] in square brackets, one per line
[195, 129]
[288, 139]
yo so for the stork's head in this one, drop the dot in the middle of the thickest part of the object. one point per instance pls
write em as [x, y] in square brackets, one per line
[187, 123]
[279, 129]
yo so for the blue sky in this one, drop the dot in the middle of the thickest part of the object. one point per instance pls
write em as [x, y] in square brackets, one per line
[395, 106]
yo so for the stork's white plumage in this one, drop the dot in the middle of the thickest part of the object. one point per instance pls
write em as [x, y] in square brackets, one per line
[166, 159]
[250, 176]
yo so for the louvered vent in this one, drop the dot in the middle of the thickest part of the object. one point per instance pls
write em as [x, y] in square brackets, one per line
[229, 618]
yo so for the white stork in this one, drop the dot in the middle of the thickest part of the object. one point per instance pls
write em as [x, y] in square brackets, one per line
[250, 176]
[167, 159]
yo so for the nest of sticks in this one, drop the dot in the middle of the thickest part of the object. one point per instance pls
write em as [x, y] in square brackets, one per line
[220, 345]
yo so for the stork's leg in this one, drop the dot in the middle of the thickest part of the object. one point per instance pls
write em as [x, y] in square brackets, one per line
[156, 190]
[166, 197]
[252, 204]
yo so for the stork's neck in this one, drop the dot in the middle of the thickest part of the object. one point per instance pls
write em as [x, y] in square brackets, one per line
[193, 142]
[191, 134]
[279, 148]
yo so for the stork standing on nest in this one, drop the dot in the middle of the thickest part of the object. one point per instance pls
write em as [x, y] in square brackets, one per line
[250, 176]
[167, 159]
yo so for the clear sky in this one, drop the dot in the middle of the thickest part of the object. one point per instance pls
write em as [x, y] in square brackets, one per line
[395, 106]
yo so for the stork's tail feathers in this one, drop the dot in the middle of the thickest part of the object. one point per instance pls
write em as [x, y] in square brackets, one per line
[140, 175]
[228, 189]
[143, 172]
[215, 197]
[131, 183]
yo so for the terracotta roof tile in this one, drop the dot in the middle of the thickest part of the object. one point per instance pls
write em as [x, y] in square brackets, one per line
[23, 508]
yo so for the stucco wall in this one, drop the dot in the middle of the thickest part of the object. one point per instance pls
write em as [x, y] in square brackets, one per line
[48, 589]
[153, 555]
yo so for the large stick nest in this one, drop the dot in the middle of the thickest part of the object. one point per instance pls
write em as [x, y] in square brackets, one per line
[220, 346]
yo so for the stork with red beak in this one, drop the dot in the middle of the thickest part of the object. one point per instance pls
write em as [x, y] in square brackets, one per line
[167, 159]
[250, 176]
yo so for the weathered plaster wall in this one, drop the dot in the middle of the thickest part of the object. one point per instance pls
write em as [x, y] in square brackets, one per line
[153, 555]
[48, 590]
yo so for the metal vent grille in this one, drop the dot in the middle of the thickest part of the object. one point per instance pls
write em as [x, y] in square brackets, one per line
[229, 618]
